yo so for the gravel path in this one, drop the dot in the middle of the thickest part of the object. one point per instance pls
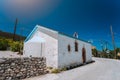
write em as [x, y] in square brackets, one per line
[8, 54]
[102, 69]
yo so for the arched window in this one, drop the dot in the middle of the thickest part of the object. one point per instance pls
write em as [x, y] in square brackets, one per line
[69, 48]
[76, 46]
[84, 54]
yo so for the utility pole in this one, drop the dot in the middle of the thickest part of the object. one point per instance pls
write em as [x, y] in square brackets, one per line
[113, 42]
[16, 22]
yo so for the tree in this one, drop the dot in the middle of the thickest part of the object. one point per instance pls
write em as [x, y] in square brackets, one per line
[95, 52]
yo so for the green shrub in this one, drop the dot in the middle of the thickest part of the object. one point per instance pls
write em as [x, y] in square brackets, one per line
[3, 44]
[55, 71]
[50, 68]
[10, 41]
[63, 69]
[15, 46]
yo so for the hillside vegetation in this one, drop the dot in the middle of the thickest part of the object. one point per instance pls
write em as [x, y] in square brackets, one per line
[107, 54]
[10, 35]
[7, 43]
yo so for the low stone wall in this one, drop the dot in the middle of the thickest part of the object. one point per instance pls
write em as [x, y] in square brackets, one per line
[20, 68]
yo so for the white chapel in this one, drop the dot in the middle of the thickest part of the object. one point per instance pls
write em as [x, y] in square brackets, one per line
[60, 50]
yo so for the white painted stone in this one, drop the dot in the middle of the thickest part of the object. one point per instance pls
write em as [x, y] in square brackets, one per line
[54, 46]
[65, 57]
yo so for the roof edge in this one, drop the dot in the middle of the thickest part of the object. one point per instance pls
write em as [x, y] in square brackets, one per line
[73, 37]
[31, 34]
[39, 26]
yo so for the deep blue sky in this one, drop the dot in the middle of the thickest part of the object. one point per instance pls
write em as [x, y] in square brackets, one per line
[90, 18]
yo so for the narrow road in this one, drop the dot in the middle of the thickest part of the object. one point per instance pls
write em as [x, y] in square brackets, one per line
[102, 69]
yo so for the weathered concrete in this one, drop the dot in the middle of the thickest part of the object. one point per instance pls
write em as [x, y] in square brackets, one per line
[102, 69]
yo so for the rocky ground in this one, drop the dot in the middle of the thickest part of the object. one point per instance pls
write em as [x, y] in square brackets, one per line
[9, 54]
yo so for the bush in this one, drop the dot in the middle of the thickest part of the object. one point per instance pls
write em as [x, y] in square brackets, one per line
[63, 69]
[3, 44]
[55, 71]
[50, 68]
[10, 41]
[16, 46]
[95, 52]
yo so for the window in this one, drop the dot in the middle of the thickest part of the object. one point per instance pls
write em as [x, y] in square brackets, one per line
[84, 54]
[69, 48]
[76, 46]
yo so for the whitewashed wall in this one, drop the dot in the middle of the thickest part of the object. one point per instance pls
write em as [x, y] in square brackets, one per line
[50, 46]
[32, 49]
[56, 49]
[66, 58]
[51, 50]
[88, 52]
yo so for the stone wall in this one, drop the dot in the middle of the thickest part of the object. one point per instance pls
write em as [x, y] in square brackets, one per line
[20, 68]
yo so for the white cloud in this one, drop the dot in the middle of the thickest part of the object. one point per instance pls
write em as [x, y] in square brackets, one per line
[30, 8]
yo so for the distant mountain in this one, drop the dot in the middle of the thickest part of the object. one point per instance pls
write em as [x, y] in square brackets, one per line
[10, 35]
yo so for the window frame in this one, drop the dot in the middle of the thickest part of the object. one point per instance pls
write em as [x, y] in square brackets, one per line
[69, 48]
[76, 46]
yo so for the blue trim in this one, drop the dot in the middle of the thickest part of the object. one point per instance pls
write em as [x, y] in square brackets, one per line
[35, 29]
[72, 37]
[29, 36]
